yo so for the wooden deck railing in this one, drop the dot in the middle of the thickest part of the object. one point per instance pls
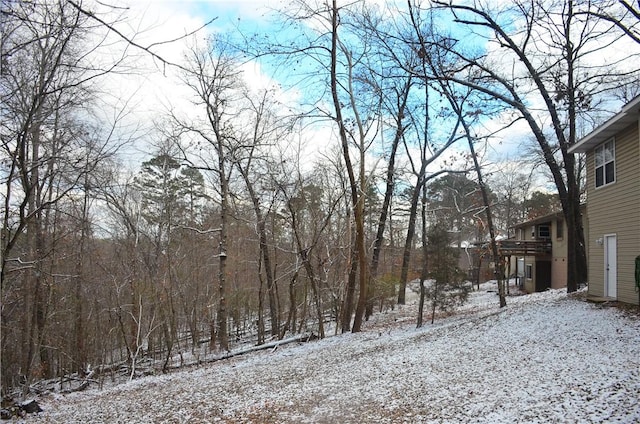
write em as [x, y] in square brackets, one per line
[524, 247]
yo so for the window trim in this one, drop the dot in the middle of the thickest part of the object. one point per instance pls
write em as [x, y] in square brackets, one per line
[602, 149]
[548, 231]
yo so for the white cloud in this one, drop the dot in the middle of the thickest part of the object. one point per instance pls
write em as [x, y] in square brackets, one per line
[149, 86]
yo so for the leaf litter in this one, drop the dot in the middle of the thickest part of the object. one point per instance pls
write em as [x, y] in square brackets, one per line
[546, 357]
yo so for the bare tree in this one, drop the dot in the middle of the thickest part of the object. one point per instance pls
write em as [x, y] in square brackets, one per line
[263, 129]
[458, 107]
[336, 58]
[623, 14]
[554, 57]
[512, 182]
[358, 133]
[50, 152]
[214, 78]
[395, 89]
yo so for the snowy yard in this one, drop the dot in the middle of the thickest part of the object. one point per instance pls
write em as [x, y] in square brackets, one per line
[546, 358]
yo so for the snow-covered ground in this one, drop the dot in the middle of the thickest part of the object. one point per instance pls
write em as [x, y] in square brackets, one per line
[545, 358]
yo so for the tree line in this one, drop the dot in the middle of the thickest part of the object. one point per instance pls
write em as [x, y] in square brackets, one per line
[228, 232]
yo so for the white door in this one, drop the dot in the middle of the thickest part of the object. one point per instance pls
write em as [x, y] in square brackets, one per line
[610, 266]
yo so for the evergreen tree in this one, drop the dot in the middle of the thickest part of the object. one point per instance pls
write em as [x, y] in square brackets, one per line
[446, 287]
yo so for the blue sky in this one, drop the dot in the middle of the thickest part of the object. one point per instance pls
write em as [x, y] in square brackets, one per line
[167, 19]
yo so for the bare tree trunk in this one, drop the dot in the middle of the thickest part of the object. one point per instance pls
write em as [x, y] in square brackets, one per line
[222, 333]
[362, 258]
[261, 327]
[347, 304]
[389, 185]
[357, 188]
[408, 242]
[291, 316]
[425, 257]
[434, 301]
[36, 245]
[212, 333]
[79, 354]
[303, 254]
[576, 253]
[272, 289]
[314, 288]
[498, 265]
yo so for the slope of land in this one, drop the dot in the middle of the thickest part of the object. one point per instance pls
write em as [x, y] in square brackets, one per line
[544, 358]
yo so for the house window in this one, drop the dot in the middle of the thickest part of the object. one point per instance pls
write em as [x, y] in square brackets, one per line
[559, 229]
[605, 164]
[544, 232]
[528, 271]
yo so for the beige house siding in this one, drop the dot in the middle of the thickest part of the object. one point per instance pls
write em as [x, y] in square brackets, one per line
[614, 209]
[529, 261]
[557, 259]
[559, 256]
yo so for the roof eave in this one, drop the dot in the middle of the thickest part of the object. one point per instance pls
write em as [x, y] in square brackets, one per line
[538, 220]
[627, 116]
[546, 218]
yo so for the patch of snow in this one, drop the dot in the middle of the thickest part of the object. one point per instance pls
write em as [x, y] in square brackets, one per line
[546, 357]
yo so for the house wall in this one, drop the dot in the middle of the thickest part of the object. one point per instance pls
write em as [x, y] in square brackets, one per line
[558, 256]
[615, 209]
[529, 283]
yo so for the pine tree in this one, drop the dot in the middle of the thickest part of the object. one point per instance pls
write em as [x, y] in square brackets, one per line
[446, 287]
